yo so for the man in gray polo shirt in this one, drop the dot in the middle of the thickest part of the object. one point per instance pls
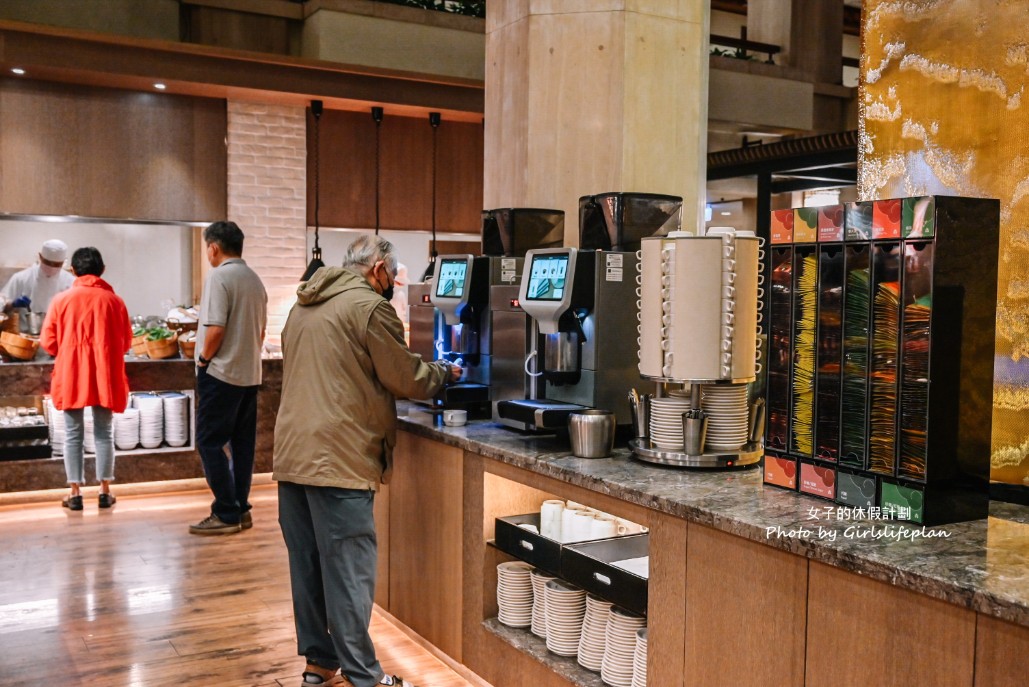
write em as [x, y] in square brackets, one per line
[233, 315]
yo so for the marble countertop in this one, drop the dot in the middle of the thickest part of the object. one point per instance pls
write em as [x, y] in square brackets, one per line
[982, 565]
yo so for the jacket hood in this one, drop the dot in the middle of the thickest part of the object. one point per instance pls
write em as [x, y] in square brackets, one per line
[328, 282]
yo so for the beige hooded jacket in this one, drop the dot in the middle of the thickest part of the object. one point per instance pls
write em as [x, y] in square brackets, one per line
[344, 362]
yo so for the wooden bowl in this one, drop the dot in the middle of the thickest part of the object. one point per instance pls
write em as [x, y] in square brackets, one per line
[188, 348]
[19, 347]
[164, 348]
[139, 346]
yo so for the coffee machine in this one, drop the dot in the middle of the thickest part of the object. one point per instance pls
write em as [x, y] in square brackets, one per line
[469, 313]
[582, 305]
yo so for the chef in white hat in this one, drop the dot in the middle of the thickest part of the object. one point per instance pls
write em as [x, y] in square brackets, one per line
[41, 282]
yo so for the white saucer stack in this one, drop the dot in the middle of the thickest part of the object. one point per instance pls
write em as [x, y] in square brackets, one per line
[151, 419]
[126, 429]
[56, 426]
[639, 660]
[666, 421]
[728, 416]
[620, 648]
[539, 602]
[176, 418]
[88, 441]
[514, 593]
[594, 633]
[566, 607]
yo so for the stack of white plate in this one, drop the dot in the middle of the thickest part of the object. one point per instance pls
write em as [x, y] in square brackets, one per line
[620, 647]
[126, 429]
[566, 607]
[639, 660]
[514, 593]
[55, 419]
[666, 421]
[594, 633]
[728, 416]
[176, 418]
[88, 441]
[151, 419]
[539, 602]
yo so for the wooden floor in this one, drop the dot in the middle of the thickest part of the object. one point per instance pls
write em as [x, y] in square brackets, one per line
[129, 597]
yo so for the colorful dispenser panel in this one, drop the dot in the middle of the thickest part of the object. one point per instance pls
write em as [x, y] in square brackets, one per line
[881, 354]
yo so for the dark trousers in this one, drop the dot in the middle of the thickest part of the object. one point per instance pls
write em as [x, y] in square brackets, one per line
[227, 419]
[330, 537]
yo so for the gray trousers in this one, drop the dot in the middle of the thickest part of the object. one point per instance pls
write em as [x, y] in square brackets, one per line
[330, 537]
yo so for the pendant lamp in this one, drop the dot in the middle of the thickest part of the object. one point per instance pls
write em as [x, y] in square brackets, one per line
[434, 120]
[316, 252]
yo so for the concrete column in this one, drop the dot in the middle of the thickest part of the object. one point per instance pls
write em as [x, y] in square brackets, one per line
[591, 96]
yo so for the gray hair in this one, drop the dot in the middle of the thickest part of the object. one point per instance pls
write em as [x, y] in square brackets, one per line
[367, 249]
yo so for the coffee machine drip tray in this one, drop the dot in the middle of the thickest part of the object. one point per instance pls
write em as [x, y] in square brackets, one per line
[539, 414]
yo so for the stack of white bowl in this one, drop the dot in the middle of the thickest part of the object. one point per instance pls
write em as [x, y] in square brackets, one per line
[126, 429]
[151, 419]
[565, 609]
[55, 419]
[514, 593]
[666, 421]
[539, 602]
[594, 633]
[728, 416]
[88, 441]
[639, 659]
[620, 647]
[176, 418]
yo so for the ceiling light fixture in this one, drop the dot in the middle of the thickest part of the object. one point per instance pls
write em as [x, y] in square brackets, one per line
[18, 70]
[316, 253]
[160, 86]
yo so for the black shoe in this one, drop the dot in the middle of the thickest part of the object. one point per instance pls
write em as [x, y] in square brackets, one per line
[72, 502]
[106, 500]
[246, 521]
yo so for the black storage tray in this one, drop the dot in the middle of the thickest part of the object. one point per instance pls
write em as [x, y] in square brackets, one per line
[540, 551]
[24, 450]
[24, 433]
[588, 565]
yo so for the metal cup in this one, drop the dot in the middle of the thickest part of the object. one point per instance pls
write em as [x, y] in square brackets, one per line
[592, 433]
[641, 417]
[694, 431]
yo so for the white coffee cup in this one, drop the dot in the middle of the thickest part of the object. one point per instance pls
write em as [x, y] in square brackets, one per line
[455, 418]
[582, 525]
[603, 526]
[550, 518]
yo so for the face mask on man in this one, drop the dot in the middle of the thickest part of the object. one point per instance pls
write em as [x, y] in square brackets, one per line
[49, 272]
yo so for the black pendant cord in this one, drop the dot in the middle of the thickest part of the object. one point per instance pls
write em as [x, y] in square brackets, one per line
[435, 128]
[317, 183]
[378, 130]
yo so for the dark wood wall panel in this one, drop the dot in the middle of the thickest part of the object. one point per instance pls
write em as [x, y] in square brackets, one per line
[347, 173]
[238, 30]
[70, 150]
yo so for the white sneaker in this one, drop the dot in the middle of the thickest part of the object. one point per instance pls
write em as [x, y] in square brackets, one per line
[395, 680]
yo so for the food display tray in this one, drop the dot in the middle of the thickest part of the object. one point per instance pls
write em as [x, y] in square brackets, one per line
[588, 565]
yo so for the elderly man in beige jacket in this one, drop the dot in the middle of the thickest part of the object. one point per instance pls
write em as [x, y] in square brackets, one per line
[344, 362]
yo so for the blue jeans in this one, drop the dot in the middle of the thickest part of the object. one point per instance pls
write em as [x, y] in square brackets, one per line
[103, 434]
[227, 419]
[330, 537]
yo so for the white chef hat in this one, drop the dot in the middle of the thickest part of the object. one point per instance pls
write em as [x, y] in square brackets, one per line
[54, 250]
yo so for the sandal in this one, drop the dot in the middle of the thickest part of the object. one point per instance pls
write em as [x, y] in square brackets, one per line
[106, 500]
[72, 502]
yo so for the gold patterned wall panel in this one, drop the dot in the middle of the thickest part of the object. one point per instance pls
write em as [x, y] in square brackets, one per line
[944, 110]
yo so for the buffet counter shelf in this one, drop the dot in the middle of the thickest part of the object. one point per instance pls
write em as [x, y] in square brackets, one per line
[140, 464]
[982, 565]
[526, 642]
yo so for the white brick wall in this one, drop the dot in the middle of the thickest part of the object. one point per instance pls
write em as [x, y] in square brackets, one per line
[267, 187]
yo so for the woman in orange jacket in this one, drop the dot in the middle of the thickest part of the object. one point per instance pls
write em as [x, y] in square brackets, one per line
[87, 329]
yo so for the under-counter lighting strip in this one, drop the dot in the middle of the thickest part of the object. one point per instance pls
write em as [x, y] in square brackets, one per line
[100, 220]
